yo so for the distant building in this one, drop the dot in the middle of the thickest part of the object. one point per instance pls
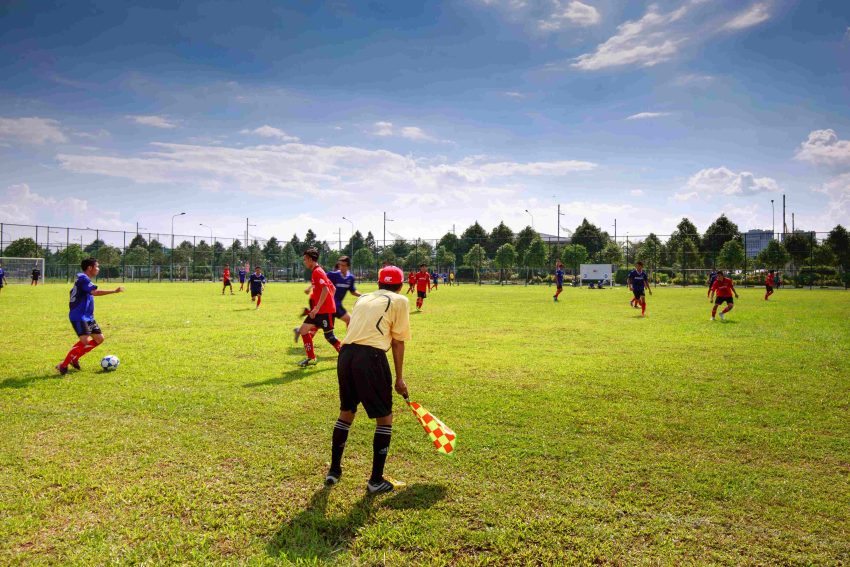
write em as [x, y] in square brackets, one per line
[554, 239]
[756, 240]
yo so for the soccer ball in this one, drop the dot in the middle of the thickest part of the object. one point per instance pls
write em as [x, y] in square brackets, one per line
[109, 362]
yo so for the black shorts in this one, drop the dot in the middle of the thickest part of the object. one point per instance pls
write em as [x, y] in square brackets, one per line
[421, 294]
[256, 293]
[340, 311]
[86, 328]
[728, 300]
[227, 283]
[324, 321]
[638, 293]
[560, 286]
[769, 288]
[364, 378]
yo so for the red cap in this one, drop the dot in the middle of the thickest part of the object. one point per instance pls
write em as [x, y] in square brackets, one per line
[391, 275]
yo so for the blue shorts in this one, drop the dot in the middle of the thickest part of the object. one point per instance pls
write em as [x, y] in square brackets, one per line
[340, 311]
[86, 328]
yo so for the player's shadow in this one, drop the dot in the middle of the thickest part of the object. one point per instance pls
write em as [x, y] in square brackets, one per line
[312, 536]
[27, 380]
[290, 376]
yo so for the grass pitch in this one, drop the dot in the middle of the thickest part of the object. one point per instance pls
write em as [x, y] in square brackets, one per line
[586, 434]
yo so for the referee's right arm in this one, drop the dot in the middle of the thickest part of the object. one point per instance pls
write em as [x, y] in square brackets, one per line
[398, 361]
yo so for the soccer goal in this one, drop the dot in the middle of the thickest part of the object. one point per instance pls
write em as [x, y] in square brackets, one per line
[21, 270]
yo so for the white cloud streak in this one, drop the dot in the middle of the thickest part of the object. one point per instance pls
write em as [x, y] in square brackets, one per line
[572, 13]
[33, 131]
[270, 132]
[723, 181]
[754, 15]
[387, 129]
[20, 204]
[152, 120]
[647, 115]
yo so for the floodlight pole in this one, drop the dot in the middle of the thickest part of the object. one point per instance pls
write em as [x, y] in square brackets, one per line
[171, 272]
[532, 218]
[386, 220]
[773, 220]
[352, 240]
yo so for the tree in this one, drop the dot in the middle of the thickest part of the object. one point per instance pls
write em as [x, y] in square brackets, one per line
[474, 234]
[505, 258]
[824, 256]
[297, 247]
[685, 231]
[136, 256]
[611, 254]
[203, 253]
[590, 236]
[71, 255]
[95, 245]
[289, 254]
[138, 240]
[449, 241]
[799, 247]
[717, 234]
[369, 242]
[688, 254]
[182, 254]
[731, 255]
[650, 251]
[774, 256]
[157, 253]
[476, 258]
[400, 247]
[309, 240]
[574, 255]
[23, 248]
[536, 255]
[839, 242]
[501, 235]
[218, 252]
[355, 243]
[364, 259]
[108, 256]
[272, 250]
[445, 257]
[524, 238]
[330, 258]
[387, 255]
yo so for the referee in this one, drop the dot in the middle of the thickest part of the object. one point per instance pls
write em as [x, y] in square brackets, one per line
[380, 321]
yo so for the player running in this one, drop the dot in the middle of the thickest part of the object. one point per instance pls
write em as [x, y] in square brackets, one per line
[451, 278]
[769, 282]
[436, 277]
[322, 311]
[81, 314]
[723, 288]
[242, 273]
[638, 280]
[559, 279]
[3, 281]
[225, 276]
[411, 280]
[712, 277]
[379, 322]
[343, 280]
[257, 283]
[36, 275]
[423, 285]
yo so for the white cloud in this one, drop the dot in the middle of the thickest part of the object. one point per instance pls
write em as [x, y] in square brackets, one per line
[824, 147]
[513, 94]
[270, 132]
[636, 193]
[837, 189]
[693, 80]
[32, 130]
[645, 42]
[754, 15]
[409, 132]
[20, 204]
[152, 120]
[574, 13]
[646, 115]
[686, 196]
[721, 180]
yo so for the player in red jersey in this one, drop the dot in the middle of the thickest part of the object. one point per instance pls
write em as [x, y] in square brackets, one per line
[769, 282]
[423, 285]
[323, 308]
[411, 280]
[225, 277]
[723, 289]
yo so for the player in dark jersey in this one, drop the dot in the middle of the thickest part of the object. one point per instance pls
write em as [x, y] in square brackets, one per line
[723, 288]
[36, 275]
[639, 284]
[81, 315]
[257, 283]
[559, 279]
[2, 276]
[243, 273]
[436, 278]
[769, 282]
[423, 285]
[343, 281]
[323, 308]
[712, 277]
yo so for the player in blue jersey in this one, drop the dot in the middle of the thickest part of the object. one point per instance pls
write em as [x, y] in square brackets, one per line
[343, 280]
[257, 283]
[559, 279]
[81, 314]
[712, 277]
[639, 284]
[242, 274]
[2, 276]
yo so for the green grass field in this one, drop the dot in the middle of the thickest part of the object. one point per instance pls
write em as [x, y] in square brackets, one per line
[586, 433]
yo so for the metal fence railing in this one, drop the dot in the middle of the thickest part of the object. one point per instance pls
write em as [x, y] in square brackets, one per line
[803, 258]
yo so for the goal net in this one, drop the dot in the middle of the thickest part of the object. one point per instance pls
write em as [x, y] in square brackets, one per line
[20, 270]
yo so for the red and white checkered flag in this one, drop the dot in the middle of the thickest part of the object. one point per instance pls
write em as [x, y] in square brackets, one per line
[444, 439]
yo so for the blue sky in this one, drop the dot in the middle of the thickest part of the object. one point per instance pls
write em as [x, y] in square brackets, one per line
[298, 113]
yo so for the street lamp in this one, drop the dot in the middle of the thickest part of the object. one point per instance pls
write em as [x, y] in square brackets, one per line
[532, 218]
[211, 234]
[773, 220]
[386, 220]
[352, 239]
[171, 272]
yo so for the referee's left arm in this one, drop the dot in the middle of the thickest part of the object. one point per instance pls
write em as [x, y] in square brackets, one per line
[398, 361]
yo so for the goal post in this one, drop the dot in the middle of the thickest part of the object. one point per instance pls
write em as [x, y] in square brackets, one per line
[20, 270]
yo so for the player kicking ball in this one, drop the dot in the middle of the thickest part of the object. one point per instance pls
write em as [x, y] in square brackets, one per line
[723, 288]
[81, 314]
[321, 314]
[380, 321]
[639, 284]
[257, 283]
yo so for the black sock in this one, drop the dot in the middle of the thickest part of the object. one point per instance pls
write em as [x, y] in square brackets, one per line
[380, 447]
[340, 436]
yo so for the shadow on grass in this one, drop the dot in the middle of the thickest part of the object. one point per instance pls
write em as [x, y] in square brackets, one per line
[27, 380]
[292, 375]
[312, 536]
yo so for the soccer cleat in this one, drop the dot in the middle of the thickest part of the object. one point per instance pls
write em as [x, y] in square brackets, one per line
[555, 297]
[308, 362]
[332, 478]
[76, 364]
[62, 369]
[722, 317]
[297, 334]
[712, 317]
[380, 487]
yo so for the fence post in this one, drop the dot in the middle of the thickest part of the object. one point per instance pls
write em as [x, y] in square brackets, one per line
[193, 258]
[124, 260]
